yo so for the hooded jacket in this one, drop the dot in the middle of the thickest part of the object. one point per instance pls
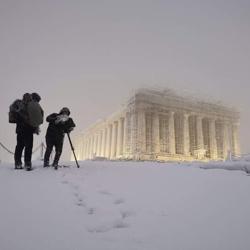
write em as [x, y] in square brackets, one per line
[58, 125]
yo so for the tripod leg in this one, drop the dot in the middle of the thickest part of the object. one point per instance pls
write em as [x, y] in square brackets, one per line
[72, 148]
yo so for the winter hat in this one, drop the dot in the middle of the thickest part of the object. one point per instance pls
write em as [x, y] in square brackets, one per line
[36, 97]
[27, 98]
[65, 110]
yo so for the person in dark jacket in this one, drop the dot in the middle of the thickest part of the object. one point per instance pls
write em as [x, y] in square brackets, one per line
[59, 124]
[24, 135]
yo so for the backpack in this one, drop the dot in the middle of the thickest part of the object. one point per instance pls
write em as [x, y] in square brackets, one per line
[35, 114]
[14, 109]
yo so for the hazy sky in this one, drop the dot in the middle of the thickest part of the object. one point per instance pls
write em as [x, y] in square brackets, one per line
[90, 55]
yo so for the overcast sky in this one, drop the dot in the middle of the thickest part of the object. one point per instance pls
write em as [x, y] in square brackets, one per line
[90, 55]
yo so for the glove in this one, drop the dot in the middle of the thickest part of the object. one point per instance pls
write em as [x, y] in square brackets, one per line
[70, 129]
[37, 131]
[61, 119]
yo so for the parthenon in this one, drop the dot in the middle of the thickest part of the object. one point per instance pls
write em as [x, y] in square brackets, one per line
[163, 126]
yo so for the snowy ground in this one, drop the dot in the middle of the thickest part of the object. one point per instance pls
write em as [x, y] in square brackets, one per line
[125, 206]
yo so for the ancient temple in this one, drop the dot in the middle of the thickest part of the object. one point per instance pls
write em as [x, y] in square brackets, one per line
[163, 126]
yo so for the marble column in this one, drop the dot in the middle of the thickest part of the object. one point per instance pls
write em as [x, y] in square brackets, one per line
[120, 137]
[156, 133]
[108, 144]
[81, 153]
[87, 149]
[125, 136]
[212, 140]
[171, 133]
[200, 141]
[96, 145]
[114, 140]
[100, 143]
[103, 142]
[92, 146]
[141, 130]
[133, 134]
[186, 139]
[226, 147]
[235, 137]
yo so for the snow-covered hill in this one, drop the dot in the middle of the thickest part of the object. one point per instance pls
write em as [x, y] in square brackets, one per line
[125, 206]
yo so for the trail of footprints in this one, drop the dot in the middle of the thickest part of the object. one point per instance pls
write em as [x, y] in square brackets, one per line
[80, 201]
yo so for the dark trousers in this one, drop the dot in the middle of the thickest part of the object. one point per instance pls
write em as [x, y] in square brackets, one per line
[50, 143]
[24, 141]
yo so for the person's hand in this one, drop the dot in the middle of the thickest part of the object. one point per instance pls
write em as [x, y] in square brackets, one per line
[37, 131]
[70, 129]
[61, 119]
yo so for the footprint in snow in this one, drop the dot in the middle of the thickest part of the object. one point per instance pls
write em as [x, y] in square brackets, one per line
[105, 192]
[79, 200]
[127, 213]
[99, 229]
[80, 203]
[76, 194]
[119, 201]
[75, 187]
[117, 224]
[91, 211]
[120, 224]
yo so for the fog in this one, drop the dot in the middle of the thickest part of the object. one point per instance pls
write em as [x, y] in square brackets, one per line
[91, 55]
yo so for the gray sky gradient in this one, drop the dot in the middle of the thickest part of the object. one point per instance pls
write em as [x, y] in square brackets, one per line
[90, 55]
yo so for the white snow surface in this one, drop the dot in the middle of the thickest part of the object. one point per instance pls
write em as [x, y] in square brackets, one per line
[125, 206]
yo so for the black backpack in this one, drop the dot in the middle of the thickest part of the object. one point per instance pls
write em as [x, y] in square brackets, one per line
[35, 114]
[14, 109]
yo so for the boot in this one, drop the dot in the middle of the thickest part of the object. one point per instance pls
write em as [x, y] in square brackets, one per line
[18, 165]
[55, 165]
[46, 164]
[28, 166]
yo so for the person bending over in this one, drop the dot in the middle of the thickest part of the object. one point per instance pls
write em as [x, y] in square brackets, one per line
[59, 124]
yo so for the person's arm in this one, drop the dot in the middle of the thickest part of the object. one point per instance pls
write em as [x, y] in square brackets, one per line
[42, 112]
[51, 118]
[69, 125]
